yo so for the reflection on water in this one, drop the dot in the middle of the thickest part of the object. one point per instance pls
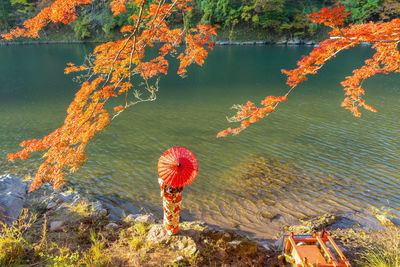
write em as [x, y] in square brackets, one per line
[308, 158]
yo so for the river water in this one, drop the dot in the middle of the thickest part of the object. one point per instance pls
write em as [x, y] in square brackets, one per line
[308, 158]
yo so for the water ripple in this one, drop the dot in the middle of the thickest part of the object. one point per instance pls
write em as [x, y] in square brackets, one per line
[309, 158]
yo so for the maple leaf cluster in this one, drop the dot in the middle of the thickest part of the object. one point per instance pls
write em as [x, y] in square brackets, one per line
[249, 114]
[330, 17]
[59, 11]
[385, 37]
[116, 69]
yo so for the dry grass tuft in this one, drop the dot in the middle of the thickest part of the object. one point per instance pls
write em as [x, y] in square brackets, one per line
[385, 252]
[13, 246]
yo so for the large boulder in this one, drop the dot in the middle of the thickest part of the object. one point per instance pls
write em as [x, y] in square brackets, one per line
[12, 197]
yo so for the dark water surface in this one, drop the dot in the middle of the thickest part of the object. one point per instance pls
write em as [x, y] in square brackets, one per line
[308, 158]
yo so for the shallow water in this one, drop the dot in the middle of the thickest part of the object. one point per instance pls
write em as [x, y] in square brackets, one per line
[308, 158]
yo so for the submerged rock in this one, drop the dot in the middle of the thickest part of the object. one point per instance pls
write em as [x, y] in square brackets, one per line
[384, 220]
[314, 224]
[12, 197]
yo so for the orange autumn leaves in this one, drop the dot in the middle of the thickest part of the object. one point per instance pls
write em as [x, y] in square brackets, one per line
[59, 11]
[118, 6]
[329, 17]
[117, 69]
[72, 68]
[249, 114]
[385, 37]
[65, 146]
[196, 51]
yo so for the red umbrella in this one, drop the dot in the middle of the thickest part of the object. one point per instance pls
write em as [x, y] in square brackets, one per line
[177, 167]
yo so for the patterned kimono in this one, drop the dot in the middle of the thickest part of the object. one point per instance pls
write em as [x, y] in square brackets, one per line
[172, 199]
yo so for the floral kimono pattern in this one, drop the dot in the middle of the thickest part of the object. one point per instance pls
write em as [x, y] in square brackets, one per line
[172, 199]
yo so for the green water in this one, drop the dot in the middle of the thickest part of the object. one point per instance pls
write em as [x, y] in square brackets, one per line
[308, 158]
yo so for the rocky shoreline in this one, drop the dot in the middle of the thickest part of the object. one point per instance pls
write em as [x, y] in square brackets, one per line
[14, 197]
[283, 41]
[295, 41]
[59, 212]
[72, 223]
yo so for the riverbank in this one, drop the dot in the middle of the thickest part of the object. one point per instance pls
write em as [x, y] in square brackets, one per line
[279, 41]
[295, 41]
[289, 42]
[243, 36]
[63, 228]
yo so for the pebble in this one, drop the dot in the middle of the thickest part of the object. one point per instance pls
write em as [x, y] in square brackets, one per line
[146, 218]
[112, 225]
[131, 218]
[234, 243]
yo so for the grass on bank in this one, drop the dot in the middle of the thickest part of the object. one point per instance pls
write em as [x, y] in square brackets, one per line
[12, 242]
[385, 252]
[380, 258]
[85, 240]
[22, 244]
